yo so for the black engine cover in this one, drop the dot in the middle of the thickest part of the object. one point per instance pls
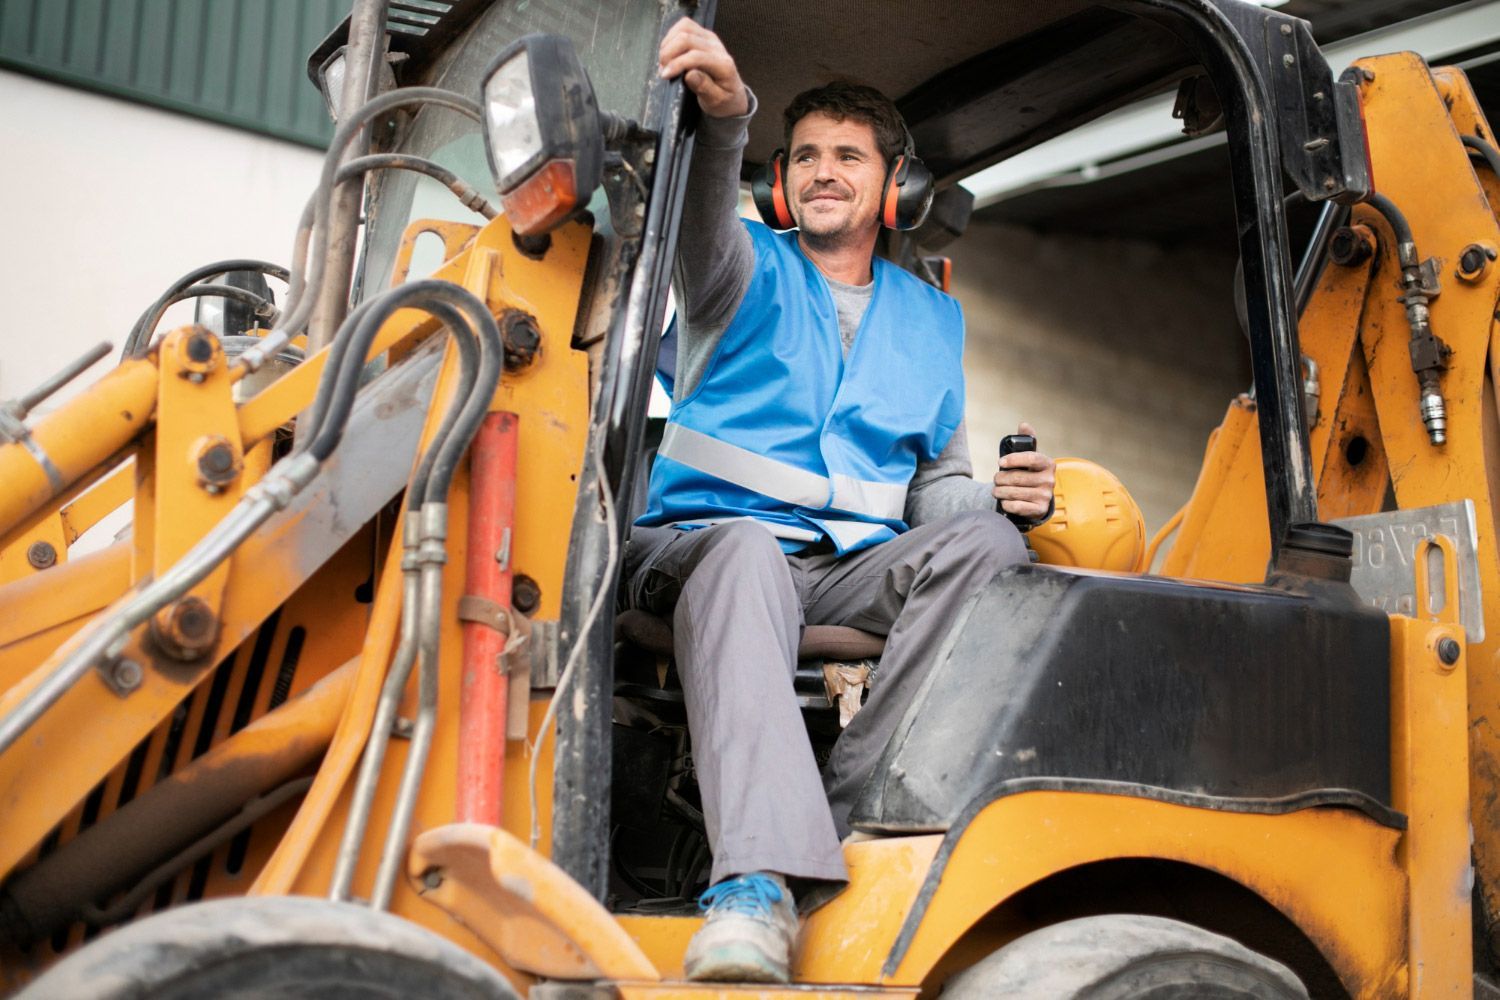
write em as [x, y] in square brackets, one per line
[1265, 698]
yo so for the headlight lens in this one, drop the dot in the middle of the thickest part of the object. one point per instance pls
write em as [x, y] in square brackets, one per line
[331, 80]
[514, 134]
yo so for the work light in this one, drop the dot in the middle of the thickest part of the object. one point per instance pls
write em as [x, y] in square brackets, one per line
[331, 80]
[541, 132]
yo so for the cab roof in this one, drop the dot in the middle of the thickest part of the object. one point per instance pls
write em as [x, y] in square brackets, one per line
[976, 83]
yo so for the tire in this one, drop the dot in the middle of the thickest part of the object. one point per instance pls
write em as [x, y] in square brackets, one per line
[272, 947]
[1125, 957]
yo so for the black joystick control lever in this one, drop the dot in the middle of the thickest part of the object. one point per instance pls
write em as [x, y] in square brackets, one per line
[1010, 444]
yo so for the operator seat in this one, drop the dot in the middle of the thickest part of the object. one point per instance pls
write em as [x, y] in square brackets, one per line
[831, 660]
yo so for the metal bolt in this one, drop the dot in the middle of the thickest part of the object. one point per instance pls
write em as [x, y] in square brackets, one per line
[535, 247]
[199, 348]
[1349, 246]
[432, 878]
[217, 460]
[1286, 29]
[1289, 60]
[1448, 650]
[127, 675]
[522, 339]
[41, 555]
[402, 728]
[1329, 184]
[187, 629]
[194, 618]
[1473, 261]
[525, 595]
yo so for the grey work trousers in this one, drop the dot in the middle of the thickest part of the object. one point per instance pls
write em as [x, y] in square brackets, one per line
[737, 605]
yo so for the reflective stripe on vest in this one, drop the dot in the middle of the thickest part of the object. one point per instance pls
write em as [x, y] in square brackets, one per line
[789, 532]
[787, 483]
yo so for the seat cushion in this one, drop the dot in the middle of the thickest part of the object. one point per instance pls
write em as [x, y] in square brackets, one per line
[819, 642]
[839, 642]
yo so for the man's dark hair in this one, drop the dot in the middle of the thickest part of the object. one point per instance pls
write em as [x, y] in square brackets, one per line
[840, 100]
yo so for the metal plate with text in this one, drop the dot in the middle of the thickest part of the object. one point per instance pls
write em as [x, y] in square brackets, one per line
[1385, 548]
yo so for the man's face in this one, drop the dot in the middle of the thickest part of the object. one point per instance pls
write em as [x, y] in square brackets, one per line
[834, 176]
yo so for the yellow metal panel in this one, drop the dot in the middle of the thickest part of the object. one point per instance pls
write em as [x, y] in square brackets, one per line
[194, 410]
[1319, 867]
[1420, 164]
[1223, 533]
[1429, 782]
[51, 607]
[102, 499]
[532, 913]
[15, 560]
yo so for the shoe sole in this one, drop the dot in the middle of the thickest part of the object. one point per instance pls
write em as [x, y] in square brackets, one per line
[728, 964]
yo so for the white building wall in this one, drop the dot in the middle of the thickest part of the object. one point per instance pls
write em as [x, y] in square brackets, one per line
[1116, 351]
[105, 202]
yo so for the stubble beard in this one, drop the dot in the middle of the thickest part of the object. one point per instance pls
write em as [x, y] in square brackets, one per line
[827, 234]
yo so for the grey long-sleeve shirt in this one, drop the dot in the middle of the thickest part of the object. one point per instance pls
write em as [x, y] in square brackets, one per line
[715, 262]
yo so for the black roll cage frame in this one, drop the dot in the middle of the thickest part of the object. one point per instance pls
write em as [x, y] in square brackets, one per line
[1282, 108]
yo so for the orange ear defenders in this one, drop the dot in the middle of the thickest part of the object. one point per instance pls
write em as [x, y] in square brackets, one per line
[904, 199]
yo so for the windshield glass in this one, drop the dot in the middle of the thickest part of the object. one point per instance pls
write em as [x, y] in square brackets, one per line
[615, 39]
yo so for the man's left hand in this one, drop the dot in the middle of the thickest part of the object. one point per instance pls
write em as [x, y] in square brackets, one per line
[1025, 481]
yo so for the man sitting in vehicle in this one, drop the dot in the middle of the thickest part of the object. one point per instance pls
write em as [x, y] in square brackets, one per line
[817, 411]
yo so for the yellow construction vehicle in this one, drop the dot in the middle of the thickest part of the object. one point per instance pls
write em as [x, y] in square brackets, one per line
[345, 710]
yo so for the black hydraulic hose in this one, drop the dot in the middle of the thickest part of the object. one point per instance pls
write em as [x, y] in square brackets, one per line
[342, 383]
[491, 360]
[1490, 153]
[308, 424]
[140, 333]
[264, 308]
[307, 272]
[1394, 216]
[416, 489]
[466, 193]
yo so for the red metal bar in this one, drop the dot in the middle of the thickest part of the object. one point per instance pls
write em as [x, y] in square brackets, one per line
[481, 721]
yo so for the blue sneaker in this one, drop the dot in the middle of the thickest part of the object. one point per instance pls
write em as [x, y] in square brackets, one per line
[748, 935]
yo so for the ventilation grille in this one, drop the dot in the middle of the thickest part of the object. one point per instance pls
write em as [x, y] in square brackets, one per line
[251, 682]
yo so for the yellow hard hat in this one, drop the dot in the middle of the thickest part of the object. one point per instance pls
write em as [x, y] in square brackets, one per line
[1097, 524]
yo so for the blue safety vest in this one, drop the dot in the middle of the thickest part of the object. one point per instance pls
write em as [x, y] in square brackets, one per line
[783, 429]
